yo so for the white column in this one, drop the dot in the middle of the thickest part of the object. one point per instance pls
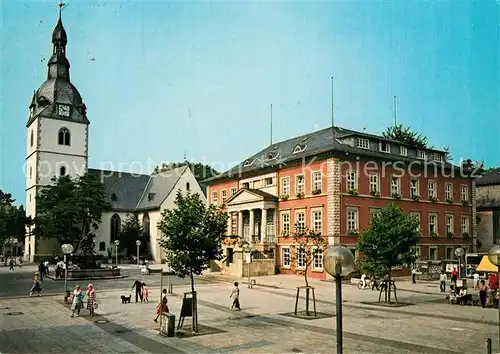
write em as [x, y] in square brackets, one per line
[251, 226]
[263, 227]
[240, 224]
[229, 224]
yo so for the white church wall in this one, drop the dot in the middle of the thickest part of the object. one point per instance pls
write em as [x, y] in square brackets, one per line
[49, 136]
[103, 233]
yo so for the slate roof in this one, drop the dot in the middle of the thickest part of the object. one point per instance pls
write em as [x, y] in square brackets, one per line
[134, 192]
[489, 178]
[327, 140]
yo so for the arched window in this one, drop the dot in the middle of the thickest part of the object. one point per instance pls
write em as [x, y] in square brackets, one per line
[115, 228]
[62, 171]
[102, 246]
[32, 138]
[145, 223]
[187, 186]
[64, 137]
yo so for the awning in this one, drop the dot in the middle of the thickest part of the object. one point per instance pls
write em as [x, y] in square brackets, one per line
[486, 266]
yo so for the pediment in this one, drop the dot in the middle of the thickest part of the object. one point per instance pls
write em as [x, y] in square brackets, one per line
[245, 195]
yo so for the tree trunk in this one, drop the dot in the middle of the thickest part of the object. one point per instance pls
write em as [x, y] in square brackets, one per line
[305, 275]
[389, 285]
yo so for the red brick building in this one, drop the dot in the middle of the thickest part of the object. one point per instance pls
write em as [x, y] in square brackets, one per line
[333, 181]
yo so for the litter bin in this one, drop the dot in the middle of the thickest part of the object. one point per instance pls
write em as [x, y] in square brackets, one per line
[168, 324]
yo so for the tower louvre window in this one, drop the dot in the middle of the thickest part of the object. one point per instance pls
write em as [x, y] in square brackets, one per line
[62, 171]
[64, 137]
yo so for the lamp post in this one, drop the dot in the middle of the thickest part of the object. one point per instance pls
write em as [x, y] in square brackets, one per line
[137, 243]
[459, 252]
[494, 257]
[66, 249]
[338, 262]
[247, 251]
[117, 243]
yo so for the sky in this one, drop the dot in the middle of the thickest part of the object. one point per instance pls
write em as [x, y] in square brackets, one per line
[168, 80]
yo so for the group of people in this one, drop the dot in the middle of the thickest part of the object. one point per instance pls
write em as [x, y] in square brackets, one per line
[141, 291]
[78, 300]
[460, 294]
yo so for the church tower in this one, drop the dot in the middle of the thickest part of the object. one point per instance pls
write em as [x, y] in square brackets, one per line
[57, 127]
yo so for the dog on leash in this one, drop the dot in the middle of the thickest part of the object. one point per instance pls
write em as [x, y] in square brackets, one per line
[126, 299]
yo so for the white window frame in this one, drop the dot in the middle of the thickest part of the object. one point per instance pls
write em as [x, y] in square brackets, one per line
[449, 226]
[301, 224]
[285, 185]
[403, 150]
[317, 255]
[437, 157]
[317, 224]
[436, 253]
[431, 192]
[448, 191]
[464, 193]
[374, 179]
[223, 196]
[233, 191]
[214, 197]
[435, 223]
[395, 185]
[421, 155]
[316, 182]
[300, 187]
[363, 143]
[298, 253]
[352, 220]
[286, 251]
[414, 187]
[352, 180]
[417, 214]
[464, 224]
[285, 223]
[387, 147]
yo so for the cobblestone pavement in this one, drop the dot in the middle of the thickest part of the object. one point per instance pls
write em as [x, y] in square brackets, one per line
[426, 325]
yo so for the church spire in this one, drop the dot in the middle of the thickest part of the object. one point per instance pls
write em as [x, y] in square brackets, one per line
[58, 63]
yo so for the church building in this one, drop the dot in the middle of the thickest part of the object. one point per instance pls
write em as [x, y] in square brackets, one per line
[57, 145]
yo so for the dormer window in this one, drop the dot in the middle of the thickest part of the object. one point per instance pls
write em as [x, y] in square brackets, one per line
[403, 151]
[299, 148]
[248, 163]
[363, 143]
[114, 198]
[421, 155]
[437, 157]
[151, 196]
[384, 147]
[271, 156]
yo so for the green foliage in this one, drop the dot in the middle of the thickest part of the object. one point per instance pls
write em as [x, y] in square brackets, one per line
[472, 168]
[193, 235]
[13, 219]
[406, 136]
[309, 242]
[68, 210]
[200, 171]
[389, 241]
[131, 231]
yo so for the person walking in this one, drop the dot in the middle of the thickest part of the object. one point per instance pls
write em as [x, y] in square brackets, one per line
[11, 264]
[20, 261]
[442, 281]
[414, 275]
[41, 270]
[235, 296]
[483, 291]
[138, 290]
[475, 278]
[92, 299]
[36, 284]
[454, 276]
[77, 303]
[162, 305]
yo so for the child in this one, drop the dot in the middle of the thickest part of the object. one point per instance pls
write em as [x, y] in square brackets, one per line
[235, 296]
[145, 292]
[162, 306]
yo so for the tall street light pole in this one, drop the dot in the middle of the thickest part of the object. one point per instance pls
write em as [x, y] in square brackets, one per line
[339, 262]
[137, 243]
[66, 249]
[117, 243]
[459, 252]
[494, 257]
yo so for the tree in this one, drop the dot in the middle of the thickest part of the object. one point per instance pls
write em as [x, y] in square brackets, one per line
[193, 235]
[69, 209]
[200, 171]
[389, 240]
[406, 136]
[308, 244]
[131, 231]
[13, 219]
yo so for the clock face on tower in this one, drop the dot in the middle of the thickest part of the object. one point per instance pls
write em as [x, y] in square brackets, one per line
[63, 110]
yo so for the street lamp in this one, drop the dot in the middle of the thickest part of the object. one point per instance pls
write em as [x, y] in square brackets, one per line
[494, 257]
[137, 243]
[117, 243]
[248, 251]
[339, 262]
[459, 252]
[66, 249]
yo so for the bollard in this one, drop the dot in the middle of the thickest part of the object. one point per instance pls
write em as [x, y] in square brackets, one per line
[171, 288]
[170, 325]
[488, 345]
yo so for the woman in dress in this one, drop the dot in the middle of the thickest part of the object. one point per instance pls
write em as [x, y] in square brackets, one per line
[36, 284]
[77, 303]
[161, 307]
[92, 300]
